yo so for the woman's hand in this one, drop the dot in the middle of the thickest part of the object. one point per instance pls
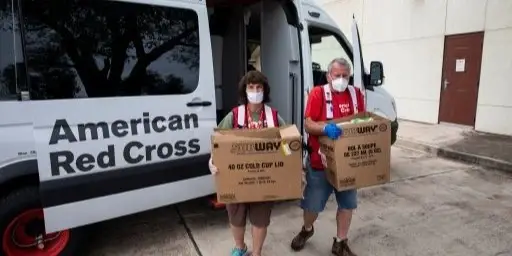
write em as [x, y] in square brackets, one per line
[213, 168]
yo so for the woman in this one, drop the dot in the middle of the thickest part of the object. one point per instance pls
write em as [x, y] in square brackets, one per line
[251, 114]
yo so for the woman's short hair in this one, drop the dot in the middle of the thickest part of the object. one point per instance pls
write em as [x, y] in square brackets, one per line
[253, 77]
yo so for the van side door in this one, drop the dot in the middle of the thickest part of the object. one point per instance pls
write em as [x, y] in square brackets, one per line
[122, 105]
[281, 57]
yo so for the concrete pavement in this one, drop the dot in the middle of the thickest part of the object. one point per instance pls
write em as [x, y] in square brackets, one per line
[432, 207]
[459, 143]
[158, 232]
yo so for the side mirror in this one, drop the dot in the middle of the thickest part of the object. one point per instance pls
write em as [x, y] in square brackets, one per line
[316, 66]
[376, 73]
[315, 39]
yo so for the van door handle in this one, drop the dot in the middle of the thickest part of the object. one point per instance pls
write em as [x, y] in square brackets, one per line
[199, 104]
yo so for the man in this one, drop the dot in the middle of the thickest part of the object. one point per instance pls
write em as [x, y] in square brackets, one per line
[334, 100]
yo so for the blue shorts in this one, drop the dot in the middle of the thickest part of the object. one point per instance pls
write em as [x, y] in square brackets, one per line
[318, 190]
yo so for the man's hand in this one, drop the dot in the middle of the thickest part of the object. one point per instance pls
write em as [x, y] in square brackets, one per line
[304, 182]
[322, 156]
[213, 168]
[332, 131]
[313, 128]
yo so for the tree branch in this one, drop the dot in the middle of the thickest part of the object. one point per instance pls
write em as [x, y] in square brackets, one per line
[85, 65]
[167, 46]
[135, 37]
[120, 43]
[188, 45]
[106, 67]
[142, 63]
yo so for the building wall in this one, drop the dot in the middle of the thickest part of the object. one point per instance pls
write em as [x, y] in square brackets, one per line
[408, 37]
[494, 112]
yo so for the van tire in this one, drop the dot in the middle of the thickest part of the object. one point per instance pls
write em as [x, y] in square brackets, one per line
[27, 199]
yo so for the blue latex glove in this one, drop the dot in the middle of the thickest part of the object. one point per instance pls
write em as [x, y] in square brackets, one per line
[332, 131]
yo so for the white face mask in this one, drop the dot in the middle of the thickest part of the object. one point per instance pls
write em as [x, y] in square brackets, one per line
[255, 97]
[339, 84]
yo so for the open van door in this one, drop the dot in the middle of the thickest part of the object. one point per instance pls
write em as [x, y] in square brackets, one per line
[123, 112]
[325, 41]
[359, 71]
[281, 57]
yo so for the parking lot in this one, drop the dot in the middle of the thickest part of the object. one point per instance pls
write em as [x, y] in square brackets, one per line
[431, 207]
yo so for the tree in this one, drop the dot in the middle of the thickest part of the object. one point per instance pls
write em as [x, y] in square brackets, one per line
[7, 75]
[107, 45]
[8, 81]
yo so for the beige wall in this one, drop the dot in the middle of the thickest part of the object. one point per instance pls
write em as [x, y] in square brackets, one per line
[408, 37]
[494, 110]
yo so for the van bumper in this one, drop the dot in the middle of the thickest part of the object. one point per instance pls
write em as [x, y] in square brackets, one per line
[394, 129]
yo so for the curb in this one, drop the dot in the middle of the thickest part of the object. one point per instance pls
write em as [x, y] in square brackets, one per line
[446, 153]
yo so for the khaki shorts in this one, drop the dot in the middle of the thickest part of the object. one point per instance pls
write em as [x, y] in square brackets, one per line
[258, 213]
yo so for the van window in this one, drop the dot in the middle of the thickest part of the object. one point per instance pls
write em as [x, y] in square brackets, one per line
[97, 48]
[325, 46]
[11, 64]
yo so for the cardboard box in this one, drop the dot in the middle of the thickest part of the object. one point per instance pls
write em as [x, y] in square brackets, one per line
[258, 165]
[361, 157]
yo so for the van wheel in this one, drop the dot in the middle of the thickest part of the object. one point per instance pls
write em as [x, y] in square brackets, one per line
[22, 228]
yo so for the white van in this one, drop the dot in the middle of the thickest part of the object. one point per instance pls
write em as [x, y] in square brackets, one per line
[119, 99]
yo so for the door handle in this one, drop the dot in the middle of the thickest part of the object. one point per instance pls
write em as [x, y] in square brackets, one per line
[199, 104]
[445, 84]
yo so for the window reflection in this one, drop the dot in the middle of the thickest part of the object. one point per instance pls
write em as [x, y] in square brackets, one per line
[11, 61]
[78, 48]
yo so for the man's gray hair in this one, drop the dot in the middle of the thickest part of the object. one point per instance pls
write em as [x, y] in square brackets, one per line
[339, 61]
